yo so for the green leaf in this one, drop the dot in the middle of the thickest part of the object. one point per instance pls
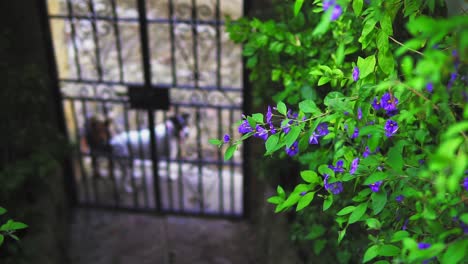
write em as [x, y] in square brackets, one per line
[375, 177]
[386, 61]
[357, 7]
[456, 252]
[366, 66]
[229, 152]
[389, 251]
[395, 157]
[324, 23]
[1, 239]
[373, 223]
[399, 235]
[280, 192]
[464, 218]
[357, 213]
[2, 210]
[305, 201]
[298, 6]
[308, 106]
[291, 137]
[379, 199]
[18, 225]
[271, 143]
[258, 117]
[215, 142]
[281, 108]
[346, 210]
[386, 24]
[341, 235]
[291, 200]
[315, 232]
[371, 253]
[327, 202]
[319, 245]
[323, 80]
[275, 200]
[310, 176]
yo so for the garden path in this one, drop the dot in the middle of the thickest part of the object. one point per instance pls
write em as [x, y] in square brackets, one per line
[104, 237]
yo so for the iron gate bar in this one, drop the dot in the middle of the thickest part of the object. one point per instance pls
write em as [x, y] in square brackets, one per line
[79, 155]
[96, 41]
[117, 39]
[220, 170]
[231, 162]
[73, 33]
[147, 77]
[169, 182]
[172, 37]
[246, 106]
[160, 85]
[179, 168]
[111, 160]
[136, 20]
[94, 169]
[142, 166]
[130, 160]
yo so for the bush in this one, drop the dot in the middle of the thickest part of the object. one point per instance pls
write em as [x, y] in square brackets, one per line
[377, 116]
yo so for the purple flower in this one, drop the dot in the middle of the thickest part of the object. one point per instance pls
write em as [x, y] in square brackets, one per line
[354, 166]
[430, 87]
[465, 183]
[303, 193]
[268, 115]
[453, 77]
[399, 198]
[356, 133]
[376, 104]
[359, 113]
[327, 4]
[404, 227]
[293, 150]
[286, 128]
[355, 73]
[245, 127]
[335, 187]
[322, 129]
[261, 132]
[423, 245]
[389, 102]
[375, 187]
[336, 12]
[338, 168]
[391, 127]
[313, 139]
[366, 152]
[226, 138]
[272, 129]
[292, 115]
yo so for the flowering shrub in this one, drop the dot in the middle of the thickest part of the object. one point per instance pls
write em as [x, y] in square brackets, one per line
[377, 115]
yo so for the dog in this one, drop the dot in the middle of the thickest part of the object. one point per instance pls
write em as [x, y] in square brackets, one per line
[99, 141]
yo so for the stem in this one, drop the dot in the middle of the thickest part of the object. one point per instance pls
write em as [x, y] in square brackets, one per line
[403, 45]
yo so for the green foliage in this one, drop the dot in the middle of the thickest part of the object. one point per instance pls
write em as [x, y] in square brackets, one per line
[397, 168]
[9, 228]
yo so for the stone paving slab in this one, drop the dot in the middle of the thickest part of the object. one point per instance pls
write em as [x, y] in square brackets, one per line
[105, 237]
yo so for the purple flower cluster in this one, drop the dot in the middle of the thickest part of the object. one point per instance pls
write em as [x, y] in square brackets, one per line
[336, 11]
[465, 182]
[226, 138]
[388, 102]
[338, 167]
[320, 131]
[245, 127]
[335, 187]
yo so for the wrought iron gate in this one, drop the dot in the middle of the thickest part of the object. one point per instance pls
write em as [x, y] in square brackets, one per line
[130, 65]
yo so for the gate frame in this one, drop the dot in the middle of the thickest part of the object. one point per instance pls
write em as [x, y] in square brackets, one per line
[69, 172]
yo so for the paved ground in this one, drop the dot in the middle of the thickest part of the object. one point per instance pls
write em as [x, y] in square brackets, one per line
[103, 237]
